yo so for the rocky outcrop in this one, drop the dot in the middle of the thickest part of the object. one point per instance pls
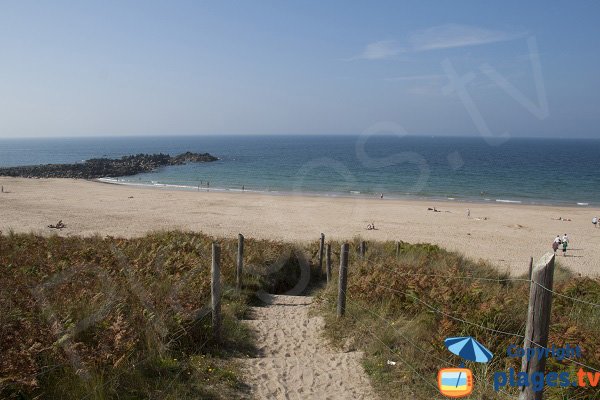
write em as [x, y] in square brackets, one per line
[105, 167]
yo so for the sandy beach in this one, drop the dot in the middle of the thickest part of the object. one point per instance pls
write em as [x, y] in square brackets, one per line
[504, 234]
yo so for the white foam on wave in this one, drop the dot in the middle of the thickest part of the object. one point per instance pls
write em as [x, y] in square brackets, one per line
[508, 201]
[583, 204]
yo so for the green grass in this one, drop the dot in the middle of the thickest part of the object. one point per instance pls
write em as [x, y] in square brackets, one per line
[111, 318]
[105, 318]
[385, 320]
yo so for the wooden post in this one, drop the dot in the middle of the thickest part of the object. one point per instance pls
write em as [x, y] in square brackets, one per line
[363, 249]
[343, 282]
[530, 266]
[240, 262]
[397, 249]
[321, 249]
[215, 291]
[538, 321]
[328, 262]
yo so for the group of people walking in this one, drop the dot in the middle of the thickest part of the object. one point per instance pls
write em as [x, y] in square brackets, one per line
[558, 241]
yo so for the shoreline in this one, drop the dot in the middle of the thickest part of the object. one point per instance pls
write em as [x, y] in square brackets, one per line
[505, 235]
[351, 195]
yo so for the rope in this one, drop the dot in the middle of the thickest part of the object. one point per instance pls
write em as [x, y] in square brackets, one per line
[483, 327]
[487, 279]
[414, 345]
[565, 296]
[437, 310]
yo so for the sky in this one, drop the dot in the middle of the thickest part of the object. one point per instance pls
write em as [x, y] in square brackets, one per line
[96, 68]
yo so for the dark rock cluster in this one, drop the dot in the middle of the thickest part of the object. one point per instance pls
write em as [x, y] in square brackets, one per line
[105, 167]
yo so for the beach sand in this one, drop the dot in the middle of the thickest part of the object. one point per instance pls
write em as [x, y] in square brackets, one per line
[504, 234]
[294, 361]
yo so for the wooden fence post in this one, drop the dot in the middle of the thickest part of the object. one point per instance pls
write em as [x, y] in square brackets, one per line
[538, 321]
[397, 249]
[328, 262]
[240, 262]
[343, 282]
[530, 266]
[363, 249]
[321, 250]
[215, 291]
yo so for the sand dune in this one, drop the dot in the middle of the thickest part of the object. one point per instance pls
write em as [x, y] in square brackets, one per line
[505, 234]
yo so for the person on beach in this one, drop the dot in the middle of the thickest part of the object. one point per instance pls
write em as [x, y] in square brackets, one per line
[556, 243]
[595, 222]
[565, 243]
[468, 213]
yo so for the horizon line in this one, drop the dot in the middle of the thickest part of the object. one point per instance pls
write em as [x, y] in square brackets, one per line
[191, 135]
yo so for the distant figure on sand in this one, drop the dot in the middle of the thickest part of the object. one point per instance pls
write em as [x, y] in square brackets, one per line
[468, 213]
[565, 243]
[562, 219]
[556, 243]
[381, 197]
[595, 222]
[371, 226]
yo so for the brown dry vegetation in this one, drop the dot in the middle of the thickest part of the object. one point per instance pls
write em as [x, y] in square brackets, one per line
[104, 318]
[114, 318]
[386, 320]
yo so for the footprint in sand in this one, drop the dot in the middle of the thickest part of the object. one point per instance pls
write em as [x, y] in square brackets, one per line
[294, 362]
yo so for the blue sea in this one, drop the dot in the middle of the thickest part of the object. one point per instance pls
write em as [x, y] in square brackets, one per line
[527, 171]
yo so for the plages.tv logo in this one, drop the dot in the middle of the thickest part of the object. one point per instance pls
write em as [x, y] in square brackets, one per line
[458, 382]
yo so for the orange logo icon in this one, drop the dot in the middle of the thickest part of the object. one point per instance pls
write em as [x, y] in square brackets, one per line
[455, 382]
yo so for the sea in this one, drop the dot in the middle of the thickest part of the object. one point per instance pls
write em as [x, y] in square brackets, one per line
[469, 169]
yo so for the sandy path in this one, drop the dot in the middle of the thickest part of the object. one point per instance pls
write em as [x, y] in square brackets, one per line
[295, 362]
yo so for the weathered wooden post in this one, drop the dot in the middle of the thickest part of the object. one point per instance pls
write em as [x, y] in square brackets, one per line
[538, 321]
[530, 266]
[343, 282]
[397, 249]
[215, 291]
[240, 262]
[328, 262]
[363, 248]
[321, 250]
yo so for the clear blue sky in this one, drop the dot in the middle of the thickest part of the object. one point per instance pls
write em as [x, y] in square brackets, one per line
[76, 68]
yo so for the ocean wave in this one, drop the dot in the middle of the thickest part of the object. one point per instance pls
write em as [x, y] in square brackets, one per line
[583, 204]
[508, 201]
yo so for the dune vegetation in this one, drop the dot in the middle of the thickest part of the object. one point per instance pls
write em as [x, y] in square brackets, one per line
[401, 308]
[105, 317]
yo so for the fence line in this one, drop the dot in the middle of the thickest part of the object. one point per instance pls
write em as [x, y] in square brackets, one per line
[567, 297]
[486, 328]
[451, 276]
[351, 300]
[483, 327]
[399, 357]
[484, 279]
[437, 310]
[414, 345]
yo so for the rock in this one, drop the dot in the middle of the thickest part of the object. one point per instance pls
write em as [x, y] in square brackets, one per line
[105, 167]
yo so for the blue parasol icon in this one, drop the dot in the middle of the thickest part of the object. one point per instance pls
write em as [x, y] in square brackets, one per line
[468, 348]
